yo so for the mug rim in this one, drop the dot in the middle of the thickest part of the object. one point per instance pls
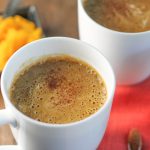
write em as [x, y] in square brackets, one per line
[31, 120]
[108, 29]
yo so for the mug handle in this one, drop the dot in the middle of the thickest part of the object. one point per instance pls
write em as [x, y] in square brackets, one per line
[11, 147]
[7, 118]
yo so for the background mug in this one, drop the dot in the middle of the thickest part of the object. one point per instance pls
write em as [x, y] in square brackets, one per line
[33, 135]
[128, 53]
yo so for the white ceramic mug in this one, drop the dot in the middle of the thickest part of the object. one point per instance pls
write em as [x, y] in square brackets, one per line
[128, 53]
[33, 135]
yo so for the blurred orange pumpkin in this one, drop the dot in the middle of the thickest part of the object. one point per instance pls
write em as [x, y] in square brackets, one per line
[14, 33]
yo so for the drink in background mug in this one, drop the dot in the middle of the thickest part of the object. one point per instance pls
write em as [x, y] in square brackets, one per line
[129, 53]
[33, 135]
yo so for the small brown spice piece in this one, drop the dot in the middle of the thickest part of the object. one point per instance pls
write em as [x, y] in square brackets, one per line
[134, 140]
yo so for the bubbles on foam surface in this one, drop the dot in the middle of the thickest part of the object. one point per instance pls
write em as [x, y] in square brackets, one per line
[74, 99]
[93, 102]
[41, 98]
[32, 106]
[38, 119]
[35, 112]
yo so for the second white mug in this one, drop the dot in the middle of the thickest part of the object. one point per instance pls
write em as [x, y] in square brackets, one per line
[129, 53]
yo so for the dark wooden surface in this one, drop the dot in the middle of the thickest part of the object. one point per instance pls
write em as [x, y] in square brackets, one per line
[59, 18]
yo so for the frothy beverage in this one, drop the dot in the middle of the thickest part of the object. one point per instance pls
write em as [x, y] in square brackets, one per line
[120, 15]
[58, 89]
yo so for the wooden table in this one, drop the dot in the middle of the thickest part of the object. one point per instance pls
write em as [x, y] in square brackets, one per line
[59, 18]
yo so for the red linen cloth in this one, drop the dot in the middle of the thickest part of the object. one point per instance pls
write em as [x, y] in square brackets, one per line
[131, 109]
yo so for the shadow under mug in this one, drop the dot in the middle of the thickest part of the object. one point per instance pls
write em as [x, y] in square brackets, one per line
[33, 135]
[128, 53]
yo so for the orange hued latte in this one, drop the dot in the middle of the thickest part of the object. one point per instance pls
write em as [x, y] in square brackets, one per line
[59, 89]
